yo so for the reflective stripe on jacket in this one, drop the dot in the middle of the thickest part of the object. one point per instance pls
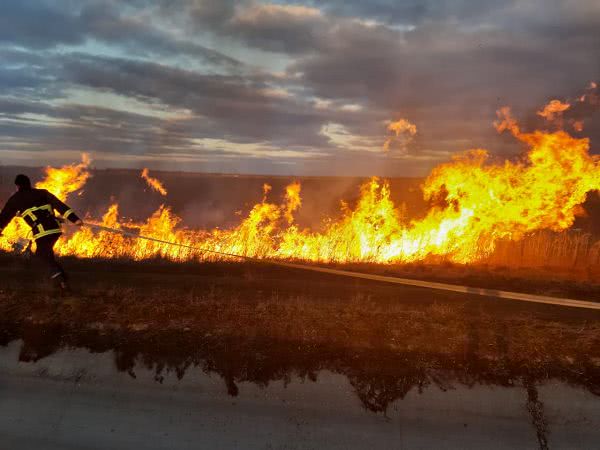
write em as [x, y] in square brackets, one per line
[36, 207]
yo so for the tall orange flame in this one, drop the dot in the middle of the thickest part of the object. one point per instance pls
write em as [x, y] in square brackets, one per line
[61, 182]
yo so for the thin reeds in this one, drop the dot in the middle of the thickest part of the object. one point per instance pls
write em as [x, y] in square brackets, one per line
[572, 250]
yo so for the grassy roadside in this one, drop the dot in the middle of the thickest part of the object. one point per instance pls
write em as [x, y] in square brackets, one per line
[258, 324]
[126, 272]
[246, 304]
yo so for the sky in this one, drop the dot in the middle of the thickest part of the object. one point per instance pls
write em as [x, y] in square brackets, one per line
[283, 87]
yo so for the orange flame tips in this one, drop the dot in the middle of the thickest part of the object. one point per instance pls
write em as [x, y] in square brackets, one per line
[293, 200]
[62, 182]
[592, 97]
[506, 121]
[266, 189]
[154, 183]
[553, 110]
[399, 127]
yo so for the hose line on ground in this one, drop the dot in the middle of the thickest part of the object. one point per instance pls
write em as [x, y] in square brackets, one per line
[494, 293]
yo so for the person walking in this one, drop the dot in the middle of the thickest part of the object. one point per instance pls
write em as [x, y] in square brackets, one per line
[37, 208]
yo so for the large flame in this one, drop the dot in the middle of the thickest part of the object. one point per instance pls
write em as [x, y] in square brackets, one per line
[68, 179]
[475, 201]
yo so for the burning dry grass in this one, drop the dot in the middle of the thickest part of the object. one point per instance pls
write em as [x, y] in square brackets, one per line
[475, 204]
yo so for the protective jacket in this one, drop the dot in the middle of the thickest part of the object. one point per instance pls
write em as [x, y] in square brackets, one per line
[36, 207]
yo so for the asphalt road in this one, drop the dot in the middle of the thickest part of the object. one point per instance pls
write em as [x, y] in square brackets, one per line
[77, 400]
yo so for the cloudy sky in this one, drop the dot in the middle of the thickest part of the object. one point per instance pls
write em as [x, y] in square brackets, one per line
[282, 87]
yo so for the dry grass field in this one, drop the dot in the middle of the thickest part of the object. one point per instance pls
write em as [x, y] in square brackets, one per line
[249, 323]
[259, 323]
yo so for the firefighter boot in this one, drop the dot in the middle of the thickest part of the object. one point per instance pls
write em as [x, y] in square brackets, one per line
[61, 285]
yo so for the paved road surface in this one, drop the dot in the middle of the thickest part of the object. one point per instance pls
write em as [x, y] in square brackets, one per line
[77, 400]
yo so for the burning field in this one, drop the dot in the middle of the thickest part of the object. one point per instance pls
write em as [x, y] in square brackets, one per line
[488, 223]
[299, 224]
[480, 211]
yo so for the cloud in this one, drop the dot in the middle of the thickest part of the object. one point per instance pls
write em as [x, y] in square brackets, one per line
[237, 107]
[26, 23]
[448, 76]
[278, 28]
[46, 25]
[109, 25]
[195, 78]
[410, 12]
[274, 27]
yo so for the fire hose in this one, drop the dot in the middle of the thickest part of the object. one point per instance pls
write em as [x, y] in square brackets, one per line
[492, 293]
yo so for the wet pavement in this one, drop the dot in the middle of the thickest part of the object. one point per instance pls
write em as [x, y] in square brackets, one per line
[64, 390]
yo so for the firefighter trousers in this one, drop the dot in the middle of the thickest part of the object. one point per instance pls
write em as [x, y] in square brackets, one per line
[45, 252]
